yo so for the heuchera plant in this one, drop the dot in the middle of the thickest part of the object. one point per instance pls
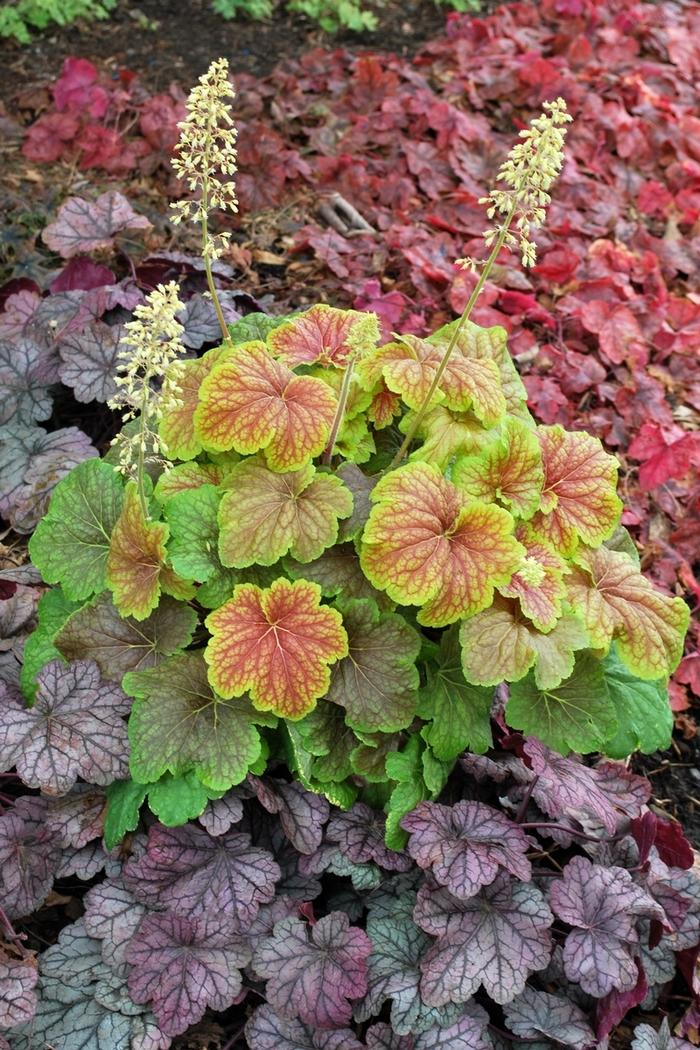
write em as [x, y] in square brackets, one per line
[362, 562]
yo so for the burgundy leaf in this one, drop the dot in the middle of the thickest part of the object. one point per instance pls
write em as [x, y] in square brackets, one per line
[603, 904]
[359, 833]
[497, 938]
[85, 226]
[29, 856]
[301, 812]
[75, 728]
[112, 915]
[81, 272]
[312, 979]
[533, 1014]
[464, 845]
[184, 965]
[266, 1030]
[18, 999]
[612, 1007]
[674, 849]
[79, 816]
[193, 873]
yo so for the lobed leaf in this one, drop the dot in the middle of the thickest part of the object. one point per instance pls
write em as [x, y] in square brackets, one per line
[177, 428]
[460, 711]
[338, 572]
[302, 813]
[644, 715]
[325, 335]
[29, 857]
[136, 557]
[266, 1030]
[53, 611]
[18, 1000]
[359, 833]
[85, 226]
[446, 435]
[509, 470]
[90, 360]
[533, 1014]
[25, 397]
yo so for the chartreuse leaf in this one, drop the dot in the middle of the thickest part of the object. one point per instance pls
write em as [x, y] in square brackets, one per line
[177, 428]
[615, 601]
[124, 801]
[426, 544]
[277, 643]
[136, 555]
[459, 711]
[265, 514]
[194, 532]
[53, 611]
[175, 800]
[539, 582]
[577, 715]
[446, 434]
[377, 682]
[406, 767]
[187, 476]
[410, 365]
[178, 724]
[71, 544]
[644, 716]
[251, 402]
[579, 499]
[325, 335]
[500, 644]
[508, 470]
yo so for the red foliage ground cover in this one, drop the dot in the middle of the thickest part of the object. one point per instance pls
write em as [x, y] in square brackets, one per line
[606, 326]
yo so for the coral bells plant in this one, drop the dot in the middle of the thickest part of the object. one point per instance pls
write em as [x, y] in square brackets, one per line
[349, 647]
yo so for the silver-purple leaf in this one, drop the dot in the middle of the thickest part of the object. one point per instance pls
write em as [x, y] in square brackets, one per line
[648, 1038]
[313, 977]
[90, 360]
[56, 455]
[79, 816]
[465, 845]
[85, 226]
[23, 397]
[468, 1033]
[222, 813]
[498, 769]
[195, 874]
[282, 907]
[88, 861]
[359, 833]
[603, 904]
[17, 620]
[200, 321]
[112, 916]
[496, 938]
[184, 965]
[266, 1030]
[533, 1014]
[302, 813]
[18, 999]
[29, 856]
[75, 729]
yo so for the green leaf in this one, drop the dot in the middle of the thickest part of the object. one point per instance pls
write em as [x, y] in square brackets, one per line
[369, 759]
[326, 735]
[124, 801]
[255, 326]
[435, 772]
[577, 715]
[178, 724]
[194, 532]
[460, 712]
[53, 611]
[407, 768]
[71, 544]
[301, 761]
[644, 716]
[175, 800]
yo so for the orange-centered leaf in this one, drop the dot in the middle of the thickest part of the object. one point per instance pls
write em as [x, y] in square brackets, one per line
[615, 601]
[508, 470]
[251, 402]
[539, 582]
[410, 366]
[176, 428]
[136, 556]
[427, 544]
[578, 499]
[325, 335]
[277, 643]
[263, 515]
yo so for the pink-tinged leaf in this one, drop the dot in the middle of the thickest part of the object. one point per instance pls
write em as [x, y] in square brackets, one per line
[85, 226]
[183, 966]
[222, 813]
[29, 856]
[611, 1009]
[539, 585]
[188, 871]
[426, 544]
[266, 1030]
[665, 452]
[251, 402]
[497, 939]
[76, 90]
[313, 977]
[277, 643]
[18, 1000]
[49, 138]
[113, 915]
[578, 500]
[619, 335]
[602, 904]
[616, 602]
[90, 361]
[75, 728]
[359, 833]
[302, 813]
[79, 816]
[465, 845]
[325, 335]
[533, 1014]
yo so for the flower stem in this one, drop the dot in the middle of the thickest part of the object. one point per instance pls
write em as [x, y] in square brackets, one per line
[427, 401]
[207, 264]
[339, 413]
[140, 462]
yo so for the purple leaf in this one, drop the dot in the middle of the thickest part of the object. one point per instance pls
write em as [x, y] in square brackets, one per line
[674, 849]
[90, 361]
[266, 831]
[468, 1033]
[201, 322]
[381, 1037]
[688, 885]
[43, 459]
[24, 397]
[85, 226]
[184, 965]
[81, 272]
[465, 844]
[29, 856]
[88, 861]
[533, 1014]
[603, 904]
[267, 1031]
[79, 816]
[112, 915]
[18, 999]
[192, 873]
[359, 833]
[312, 979]
[497, 938]
[17, 620]
[263, 927]
[498, 769]
[221, 813]
[302, 813]
[75, 728]
[612, 1007]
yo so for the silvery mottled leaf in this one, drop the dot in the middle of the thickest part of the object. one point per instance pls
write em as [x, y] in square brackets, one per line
[497, 938]
[603, 904]
[465, 845]
[687, 884]
[193, 873]
[90, 361]
[75, 958]
[29, 856]
[329, 858]
[282, 907]
[359, 833]
[302, 813]
[659, 962]
[498, 769]
[17, 996]
[311, 974]
[648, 1038]
[266, 1030]
[18, 312]
[85, 226]
[23, 399]
[25, 575]
[79, 816]
[534, 1013]
[17, 620]
[200, 321]
[87, 862]
[222, 813]
[468, 1033]
[75, 728]
[112, 916]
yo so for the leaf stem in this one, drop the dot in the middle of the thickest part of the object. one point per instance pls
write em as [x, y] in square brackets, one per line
[526, 798]
[16, 938]
[427, 401]
[569, 831]
[339, 413]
